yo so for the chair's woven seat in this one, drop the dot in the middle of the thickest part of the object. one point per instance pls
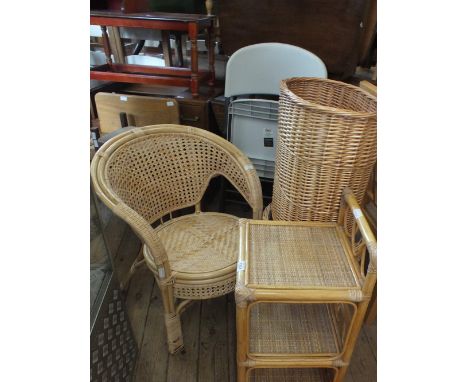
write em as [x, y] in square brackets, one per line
[200, 243]
[298, 256]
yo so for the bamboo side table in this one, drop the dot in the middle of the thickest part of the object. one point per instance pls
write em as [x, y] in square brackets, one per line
[174, 76]
[301, 296]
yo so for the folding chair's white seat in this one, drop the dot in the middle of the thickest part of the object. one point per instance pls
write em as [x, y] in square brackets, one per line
[259, 68]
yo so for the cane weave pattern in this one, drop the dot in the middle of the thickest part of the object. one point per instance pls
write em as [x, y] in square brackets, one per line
[298, 256]
[160, 173]
[327, 133]
[203, 242]
[205, 291]
[291, 329]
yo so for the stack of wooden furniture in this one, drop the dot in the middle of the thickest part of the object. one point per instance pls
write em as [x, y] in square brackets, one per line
[301, 294]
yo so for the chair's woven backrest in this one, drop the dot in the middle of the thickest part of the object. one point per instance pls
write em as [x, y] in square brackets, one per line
[159, 169]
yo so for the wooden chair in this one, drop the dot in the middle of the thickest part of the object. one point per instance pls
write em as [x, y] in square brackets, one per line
[144, 175]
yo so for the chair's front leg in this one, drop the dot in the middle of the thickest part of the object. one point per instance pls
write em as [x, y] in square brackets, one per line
[175, 341]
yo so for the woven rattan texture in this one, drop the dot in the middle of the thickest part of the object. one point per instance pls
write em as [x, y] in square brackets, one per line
[291, 375]
[202, 242]
[165, 172]
[297, 256]
[327, 132]
[204, 291]
[291, 329]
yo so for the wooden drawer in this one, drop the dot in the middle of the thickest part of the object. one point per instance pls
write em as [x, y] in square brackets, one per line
[193, 113]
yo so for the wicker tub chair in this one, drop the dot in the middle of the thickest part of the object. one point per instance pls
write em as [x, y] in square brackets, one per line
[144, 175]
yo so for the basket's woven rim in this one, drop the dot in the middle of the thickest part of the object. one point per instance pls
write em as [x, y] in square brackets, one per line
[284, 87]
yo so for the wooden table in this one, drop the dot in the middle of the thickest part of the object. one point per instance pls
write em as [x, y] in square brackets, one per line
[174, 76]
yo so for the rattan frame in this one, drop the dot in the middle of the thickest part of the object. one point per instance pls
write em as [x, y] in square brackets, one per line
[251, 370]
[192, 152]
[248, 294]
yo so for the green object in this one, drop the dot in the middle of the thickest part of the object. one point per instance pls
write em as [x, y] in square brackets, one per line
[178, 6]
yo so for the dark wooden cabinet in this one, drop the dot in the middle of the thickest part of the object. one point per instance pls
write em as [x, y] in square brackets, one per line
[125, 6]
[333, 30]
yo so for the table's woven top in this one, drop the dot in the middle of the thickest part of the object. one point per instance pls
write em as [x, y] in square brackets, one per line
[297, 256]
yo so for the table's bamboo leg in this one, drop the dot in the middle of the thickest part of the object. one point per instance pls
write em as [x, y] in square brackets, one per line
[242, 320]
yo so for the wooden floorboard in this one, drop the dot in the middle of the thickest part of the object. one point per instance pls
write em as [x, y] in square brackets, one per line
[126, 254]
[371, 333]
[184, 366]
[363, 366]
[210, 339]
[213, 363]
[153, 355]
[231, 332]
[138, 301]
[114, 232]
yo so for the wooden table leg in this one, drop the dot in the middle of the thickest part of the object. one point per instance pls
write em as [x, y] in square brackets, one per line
[180, 55]
[211, 57]
[106, 43]
[193, 35]
[116, 45]
[166, 45]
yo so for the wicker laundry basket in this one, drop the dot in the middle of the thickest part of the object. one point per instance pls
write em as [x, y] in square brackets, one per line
[327, 140]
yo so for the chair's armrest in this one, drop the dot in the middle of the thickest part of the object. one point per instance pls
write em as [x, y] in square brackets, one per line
[361, 220]
[349, 200]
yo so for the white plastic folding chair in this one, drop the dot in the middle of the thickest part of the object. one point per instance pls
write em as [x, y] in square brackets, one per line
[253, 75]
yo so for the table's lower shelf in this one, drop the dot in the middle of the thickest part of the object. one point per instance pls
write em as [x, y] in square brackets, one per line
[291, 375]
[152, 75]
[288, 330]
